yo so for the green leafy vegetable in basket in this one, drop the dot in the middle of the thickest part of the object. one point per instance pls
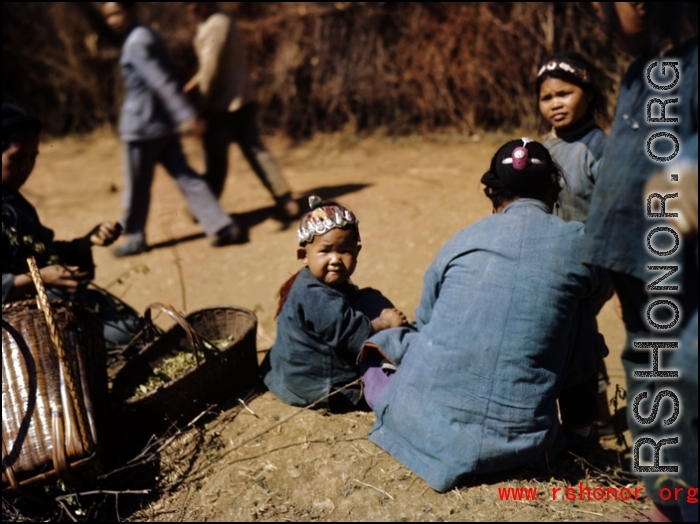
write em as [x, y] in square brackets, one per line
[169, 369]
[174, 367]
[219, 343]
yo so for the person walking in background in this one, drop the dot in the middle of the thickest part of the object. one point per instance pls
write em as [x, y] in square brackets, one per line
[227, 109]
[154, 111]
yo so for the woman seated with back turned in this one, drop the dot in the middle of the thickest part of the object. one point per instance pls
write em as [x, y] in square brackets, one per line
[504, 329]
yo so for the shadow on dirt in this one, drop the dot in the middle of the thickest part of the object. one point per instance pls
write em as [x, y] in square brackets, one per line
[143, 467]
[251, 219]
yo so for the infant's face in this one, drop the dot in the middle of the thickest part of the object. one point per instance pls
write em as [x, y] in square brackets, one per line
[332, 257]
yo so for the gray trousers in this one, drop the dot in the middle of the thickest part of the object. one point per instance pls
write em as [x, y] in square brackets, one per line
[241, 127]
[140, 159]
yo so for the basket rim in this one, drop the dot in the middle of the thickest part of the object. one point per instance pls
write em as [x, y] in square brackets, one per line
[225, 306]
[32, 303]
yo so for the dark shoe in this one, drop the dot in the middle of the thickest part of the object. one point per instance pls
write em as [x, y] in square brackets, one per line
[231, 234]
[130, 248]
[287, 208]
[582, 445]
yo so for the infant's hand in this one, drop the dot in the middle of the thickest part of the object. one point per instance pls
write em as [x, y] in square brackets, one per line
[105, 233]
[393, 317]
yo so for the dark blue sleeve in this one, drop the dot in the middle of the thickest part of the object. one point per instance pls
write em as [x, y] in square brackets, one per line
[8, 281]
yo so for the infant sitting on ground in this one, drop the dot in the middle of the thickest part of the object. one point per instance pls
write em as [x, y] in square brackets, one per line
[323, 319]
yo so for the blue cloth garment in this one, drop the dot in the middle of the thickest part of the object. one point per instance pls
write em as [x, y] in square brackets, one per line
[319, 337]
[153, 105]
[617, 226]
[477, 383]
[579, 157]
[616, 235]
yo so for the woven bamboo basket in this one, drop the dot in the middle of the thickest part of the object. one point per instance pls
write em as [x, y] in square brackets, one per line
[218, 374]
[54, 384]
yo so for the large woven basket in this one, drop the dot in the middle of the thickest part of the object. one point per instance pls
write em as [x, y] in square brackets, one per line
[54, 391]
[217, 376]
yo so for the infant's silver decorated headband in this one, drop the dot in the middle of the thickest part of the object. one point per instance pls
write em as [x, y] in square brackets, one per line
[321, 219]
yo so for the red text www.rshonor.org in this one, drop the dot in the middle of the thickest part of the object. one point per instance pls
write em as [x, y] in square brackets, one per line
[690, 495]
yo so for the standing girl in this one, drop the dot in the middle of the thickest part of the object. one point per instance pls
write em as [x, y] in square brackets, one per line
[572, 105]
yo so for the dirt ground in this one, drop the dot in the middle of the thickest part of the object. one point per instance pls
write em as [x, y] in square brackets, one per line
[411, 195]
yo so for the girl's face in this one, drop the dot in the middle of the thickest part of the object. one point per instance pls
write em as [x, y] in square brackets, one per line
[18, 161]
[562, 104]
[332, 257]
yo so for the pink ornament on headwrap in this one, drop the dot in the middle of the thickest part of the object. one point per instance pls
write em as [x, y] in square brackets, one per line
[519, 157]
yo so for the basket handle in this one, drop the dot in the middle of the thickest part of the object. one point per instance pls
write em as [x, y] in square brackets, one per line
[7, 468]
[196, 340]
[58, 426]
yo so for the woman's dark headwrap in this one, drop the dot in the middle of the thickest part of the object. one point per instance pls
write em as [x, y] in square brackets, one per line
[524, 167]
[15, 120]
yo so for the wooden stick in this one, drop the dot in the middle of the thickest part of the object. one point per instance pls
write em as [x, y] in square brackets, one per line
[104, 492]
[373, 487]
[245, 406]
[64, 362]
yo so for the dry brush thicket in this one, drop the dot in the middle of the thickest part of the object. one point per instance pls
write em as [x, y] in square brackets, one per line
[396, 67]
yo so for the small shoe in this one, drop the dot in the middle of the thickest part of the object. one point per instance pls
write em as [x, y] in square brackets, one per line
[231, 234]
[130, 248]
